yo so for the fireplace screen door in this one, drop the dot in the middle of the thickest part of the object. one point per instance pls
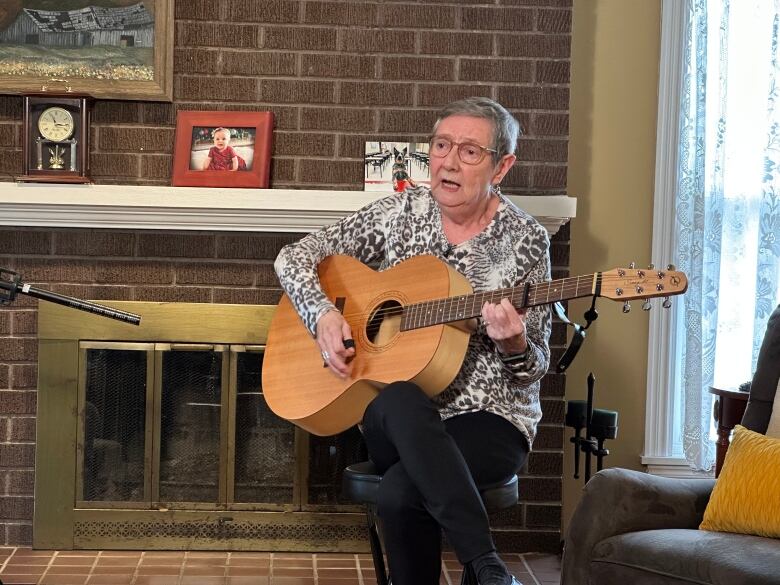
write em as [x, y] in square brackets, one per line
[158, 436]
[184, 426]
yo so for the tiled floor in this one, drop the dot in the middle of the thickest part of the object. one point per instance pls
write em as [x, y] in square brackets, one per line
[24, 566]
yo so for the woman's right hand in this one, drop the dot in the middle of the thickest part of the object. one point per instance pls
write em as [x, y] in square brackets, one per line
[332, 331]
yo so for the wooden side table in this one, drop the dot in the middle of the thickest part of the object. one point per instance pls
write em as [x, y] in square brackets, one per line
[728, 409]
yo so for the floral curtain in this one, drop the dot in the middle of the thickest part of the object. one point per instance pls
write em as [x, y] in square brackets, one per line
[727, 232]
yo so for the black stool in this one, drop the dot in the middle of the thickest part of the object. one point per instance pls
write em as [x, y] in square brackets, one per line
[360, 484]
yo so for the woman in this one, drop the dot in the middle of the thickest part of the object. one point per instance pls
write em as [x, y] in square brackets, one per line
[434, 453]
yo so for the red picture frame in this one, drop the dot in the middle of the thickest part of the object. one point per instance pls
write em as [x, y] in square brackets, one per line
[223, 149]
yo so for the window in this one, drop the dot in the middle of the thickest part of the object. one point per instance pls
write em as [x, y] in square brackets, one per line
[717, 211]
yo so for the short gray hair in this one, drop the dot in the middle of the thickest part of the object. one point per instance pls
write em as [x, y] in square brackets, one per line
[506, 129]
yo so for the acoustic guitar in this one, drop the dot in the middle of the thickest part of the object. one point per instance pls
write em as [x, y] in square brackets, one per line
[408, 323]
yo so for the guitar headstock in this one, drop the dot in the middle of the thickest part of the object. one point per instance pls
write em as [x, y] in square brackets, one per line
[627, 284]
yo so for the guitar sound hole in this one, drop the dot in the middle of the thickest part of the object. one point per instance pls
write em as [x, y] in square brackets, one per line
[384, 323]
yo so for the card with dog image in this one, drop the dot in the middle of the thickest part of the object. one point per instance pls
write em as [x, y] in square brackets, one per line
[394, 166]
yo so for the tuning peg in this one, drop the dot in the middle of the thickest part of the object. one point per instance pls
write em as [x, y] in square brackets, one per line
[650, 266]
[646, 306]
[667, 303]
[632, 265]
[671, 267]
[626, 307]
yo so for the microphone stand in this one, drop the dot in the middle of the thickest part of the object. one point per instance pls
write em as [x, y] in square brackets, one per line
[588, 444]
[599, 425]
[11, 285]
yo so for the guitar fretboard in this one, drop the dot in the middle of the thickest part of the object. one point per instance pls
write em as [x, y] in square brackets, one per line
[439, 311]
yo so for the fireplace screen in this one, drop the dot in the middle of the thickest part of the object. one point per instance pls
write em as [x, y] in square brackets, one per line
[159, 437]
[183, 426]
[264, 468]
[190, 426]
[114, 426]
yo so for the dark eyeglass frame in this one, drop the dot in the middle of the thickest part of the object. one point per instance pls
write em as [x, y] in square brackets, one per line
[483, 149]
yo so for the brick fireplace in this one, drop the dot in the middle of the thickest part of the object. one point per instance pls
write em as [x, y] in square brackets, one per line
[120, 263]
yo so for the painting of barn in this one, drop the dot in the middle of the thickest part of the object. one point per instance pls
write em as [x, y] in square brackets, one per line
[90, 26]
[107, 39]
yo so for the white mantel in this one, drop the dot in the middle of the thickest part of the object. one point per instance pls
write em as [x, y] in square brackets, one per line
[207, 209]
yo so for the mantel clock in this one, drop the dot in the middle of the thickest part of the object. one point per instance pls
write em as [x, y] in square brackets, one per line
[56, 138]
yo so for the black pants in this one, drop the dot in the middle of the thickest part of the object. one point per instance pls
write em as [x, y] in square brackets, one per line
[431, 469]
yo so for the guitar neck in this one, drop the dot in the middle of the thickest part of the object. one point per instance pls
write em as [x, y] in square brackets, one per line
[450, 309]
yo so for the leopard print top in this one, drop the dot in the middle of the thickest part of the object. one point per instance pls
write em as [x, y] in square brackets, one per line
[512, 249]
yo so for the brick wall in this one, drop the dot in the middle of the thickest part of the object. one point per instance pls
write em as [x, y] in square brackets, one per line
[335, 74]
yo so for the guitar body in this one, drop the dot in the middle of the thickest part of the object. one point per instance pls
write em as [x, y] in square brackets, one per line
[298, 388]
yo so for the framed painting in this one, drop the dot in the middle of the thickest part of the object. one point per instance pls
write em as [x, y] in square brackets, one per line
[109, 49]
[223, 149]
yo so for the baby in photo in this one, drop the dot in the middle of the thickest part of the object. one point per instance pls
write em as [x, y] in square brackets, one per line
[221, 156]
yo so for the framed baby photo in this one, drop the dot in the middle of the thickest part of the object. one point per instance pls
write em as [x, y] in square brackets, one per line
[223, 149]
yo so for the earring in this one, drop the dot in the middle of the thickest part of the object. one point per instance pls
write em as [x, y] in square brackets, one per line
[496, 189]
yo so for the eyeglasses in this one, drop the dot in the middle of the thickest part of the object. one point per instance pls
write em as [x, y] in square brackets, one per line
[468, 152]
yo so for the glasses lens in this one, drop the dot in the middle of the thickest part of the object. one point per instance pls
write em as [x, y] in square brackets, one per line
[440, 146]
[471, 154]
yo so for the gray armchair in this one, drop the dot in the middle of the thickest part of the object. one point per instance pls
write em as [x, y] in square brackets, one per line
[639, 529]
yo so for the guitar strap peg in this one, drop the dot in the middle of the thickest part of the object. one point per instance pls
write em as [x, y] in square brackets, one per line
[646, 306]
[627, 307]
[667, 303]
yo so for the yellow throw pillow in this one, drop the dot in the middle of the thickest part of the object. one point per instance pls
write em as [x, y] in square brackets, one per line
[746, 497]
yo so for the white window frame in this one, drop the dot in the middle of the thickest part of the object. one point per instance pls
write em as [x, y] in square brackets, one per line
[661, 347]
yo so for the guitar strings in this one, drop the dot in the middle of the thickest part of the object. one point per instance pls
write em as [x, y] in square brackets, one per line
[497, 293]
[400, 309]
[568, 286]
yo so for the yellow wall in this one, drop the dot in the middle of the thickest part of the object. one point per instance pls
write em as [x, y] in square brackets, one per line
[615, 54]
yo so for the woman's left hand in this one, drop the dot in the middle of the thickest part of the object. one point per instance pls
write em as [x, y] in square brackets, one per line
[505, 325]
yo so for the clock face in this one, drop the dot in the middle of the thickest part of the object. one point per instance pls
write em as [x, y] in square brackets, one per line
[56, 124]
